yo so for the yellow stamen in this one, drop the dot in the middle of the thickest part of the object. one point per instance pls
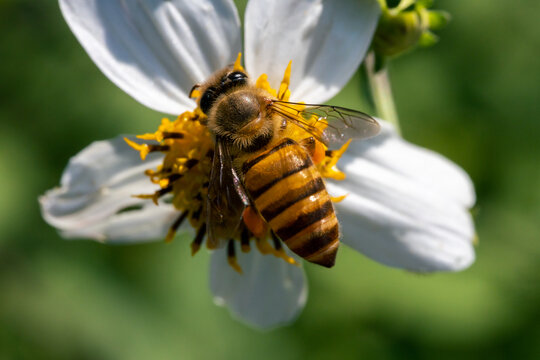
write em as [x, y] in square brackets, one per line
[337, 199]
[328, 168]
[143, 149]
[150, 136]
[195, 94]
[154, 197]
[284, 93]
[238, 63]
[262, 83]
[343, 148]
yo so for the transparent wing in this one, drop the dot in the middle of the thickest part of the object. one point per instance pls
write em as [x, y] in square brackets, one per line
[226, 201]
[332, 125]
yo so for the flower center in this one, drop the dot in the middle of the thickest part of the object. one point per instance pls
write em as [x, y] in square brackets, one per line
[184, 175]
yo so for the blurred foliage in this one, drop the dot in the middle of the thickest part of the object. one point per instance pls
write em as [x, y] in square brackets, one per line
[473, 97]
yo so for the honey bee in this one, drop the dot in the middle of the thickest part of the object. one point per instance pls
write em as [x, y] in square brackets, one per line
[260, 173]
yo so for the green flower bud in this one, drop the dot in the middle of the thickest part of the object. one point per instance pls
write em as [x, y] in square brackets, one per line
[407, 25]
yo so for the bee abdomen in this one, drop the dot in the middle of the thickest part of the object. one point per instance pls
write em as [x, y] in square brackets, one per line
[290, 194]
[310, 229]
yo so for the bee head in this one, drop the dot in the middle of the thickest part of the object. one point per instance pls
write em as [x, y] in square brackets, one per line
[241, 117]
[221, 83]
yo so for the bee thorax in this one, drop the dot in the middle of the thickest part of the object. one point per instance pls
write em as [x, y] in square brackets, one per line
[236, 110]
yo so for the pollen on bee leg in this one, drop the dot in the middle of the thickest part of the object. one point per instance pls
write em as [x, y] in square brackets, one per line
[174, 227]
[315, 148]
[231, 256]
[196, 243]
[254, 222]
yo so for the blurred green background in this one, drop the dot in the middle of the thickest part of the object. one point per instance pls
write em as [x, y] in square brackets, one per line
[473, 97]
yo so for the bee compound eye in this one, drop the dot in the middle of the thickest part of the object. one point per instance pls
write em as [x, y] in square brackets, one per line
[232, 81]
[237, 77]
[208, 99]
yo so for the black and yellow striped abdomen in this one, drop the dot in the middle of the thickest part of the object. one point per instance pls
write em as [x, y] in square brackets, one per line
[289, 192]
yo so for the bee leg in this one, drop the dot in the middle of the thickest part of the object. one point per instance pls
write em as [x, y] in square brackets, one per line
[263, 246]
[231, 257]
[175, 226]
[314, 148]
[196, 243]
[308, 144]
[254, 222]
[280, 251]
[244, 239]
[276, 240]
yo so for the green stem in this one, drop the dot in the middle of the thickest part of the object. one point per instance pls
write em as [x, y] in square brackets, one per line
[381, 91]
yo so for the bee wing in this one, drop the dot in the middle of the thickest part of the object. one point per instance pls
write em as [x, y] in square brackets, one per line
[331, 125]
[226, 201]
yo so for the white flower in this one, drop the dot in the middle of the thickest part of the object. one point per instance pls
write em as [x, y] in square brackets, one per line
[407, 206]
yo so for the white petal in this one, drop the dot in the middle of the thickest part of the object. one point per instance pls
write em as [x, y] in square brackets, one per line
[99, 182]
[270, 292]
[407, 206]
[326, 41]
[156, 50]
